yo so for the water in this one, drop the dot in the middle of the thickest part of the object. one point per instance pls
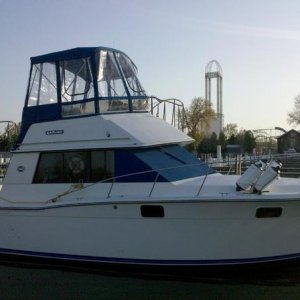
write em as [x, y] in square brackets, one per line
[28, 282]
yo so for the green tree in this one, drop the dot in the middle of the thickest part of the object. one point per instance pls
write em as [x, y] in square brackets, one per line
[232, 140]
[222, 141]
[213, 142]
[197, 118]
[249, 141]
[4, 143]
[204, 146]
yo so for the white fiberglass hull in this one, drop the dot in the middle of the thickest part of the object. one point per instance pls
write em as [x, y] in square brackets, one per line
[190, 233]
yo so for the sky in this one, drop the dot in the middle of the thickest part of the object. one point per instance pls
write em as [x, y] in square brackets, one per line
[256, 42]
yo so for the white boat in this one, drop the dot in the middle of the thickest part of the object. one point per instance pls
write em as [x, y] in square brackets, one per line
[96, 178]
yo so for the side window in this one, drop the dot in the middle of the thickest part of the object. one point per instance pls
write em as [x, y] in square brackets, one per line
[50, 168]
[77, 85]
[76, 80]
[102, 165]
[42, 86]
[75, 166]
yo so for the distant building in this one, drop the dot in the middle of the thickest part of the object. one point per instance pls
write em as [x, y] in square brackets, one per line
[289, 142]
[233, 149]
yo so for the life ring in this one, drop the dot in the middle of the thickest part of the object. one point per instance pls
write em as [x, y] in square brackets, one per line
[76, 165]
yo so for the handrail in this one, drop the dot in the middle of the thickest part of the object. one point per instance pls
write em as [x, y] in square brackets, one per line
[114, 179]
[201, 186]
[111, 187]
[178, 115]
[157, 175]
[79, 187]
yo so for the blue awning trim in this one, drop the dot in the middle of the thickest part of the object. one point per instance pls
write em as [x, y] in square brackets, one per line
[74, 53]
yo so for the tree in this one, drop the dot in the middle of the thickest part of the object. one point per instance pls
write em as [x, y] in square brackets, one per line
[249, 142]
[232, 140]
[213, 142]
[204, 146]
[197, 118]
[4, 143]
[294, 116]
[9, 137]
[230, 129]
[222, 141]
[209, 144]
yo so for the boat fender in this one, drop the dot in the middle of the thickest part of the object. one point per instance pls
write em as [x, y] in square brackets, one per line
[250, 176]
[267, 177]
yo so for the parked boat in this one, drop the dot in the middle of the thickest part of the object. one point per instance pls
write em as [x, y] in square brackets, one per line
[96, 178]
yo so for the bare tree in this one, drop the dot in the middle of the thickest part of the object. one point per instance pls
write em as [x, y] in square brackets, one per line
[231, 129]
[294, 116]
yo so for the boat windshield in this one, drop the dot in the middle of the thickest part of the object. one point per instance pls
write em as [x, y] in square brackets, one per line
[117, 83]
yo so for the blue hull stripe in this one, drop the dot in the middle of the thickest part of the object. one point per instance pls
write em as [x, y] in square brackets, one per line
[81, 258]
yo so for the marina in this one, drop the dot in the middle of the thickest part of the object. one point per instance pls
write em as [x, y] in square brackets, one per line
[104, 193]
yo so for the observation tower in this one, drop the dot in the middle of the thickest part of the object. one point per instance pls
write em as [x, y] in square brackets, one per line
[213, 70]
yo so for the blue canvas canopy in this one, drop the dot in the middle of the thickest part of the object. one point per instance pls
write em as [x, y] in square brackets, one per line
[81, 82]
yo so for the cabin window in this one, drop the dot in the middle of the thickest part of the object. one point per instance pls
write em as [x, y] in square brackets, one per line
[42, 86]
[102, 165]
[75, 166]
[50, 168]
[78, 109]
[140, 104]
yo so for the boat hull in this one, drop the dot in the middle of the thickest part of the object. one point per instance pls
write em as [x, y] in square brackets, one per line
[190, 233]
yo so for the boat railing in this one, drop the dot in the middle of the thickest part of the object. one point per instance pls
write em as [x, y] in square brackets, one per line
[79, 186]
[118, 179]
[239, 164]
[115, 179]
[170, 110]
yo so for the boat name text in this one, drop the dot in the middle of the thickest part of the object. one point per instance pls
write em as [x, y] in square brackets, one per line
[52, 132]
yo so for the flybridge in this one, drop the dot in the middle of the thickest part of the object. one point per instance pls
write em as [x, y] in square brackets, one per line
[81, 82]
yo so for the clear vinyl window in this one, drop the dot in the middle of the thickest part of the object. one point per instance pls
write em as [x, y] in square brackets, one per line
[42, 86]
[76, 78]
[110, 84]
